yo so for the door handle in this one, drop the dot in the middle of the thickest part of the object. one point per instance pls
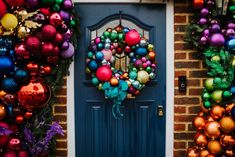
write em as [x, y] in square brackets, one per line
[160, 111]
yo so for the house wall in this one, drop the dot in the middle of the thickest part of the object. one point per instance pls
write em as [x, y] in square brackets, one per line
[188, 63]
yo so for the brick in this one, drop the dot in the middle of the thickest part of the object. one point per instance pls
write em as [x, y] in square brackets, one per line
[179, 145]
[187, 65]
[193, 83]
[195, 91]
[62, 91]
[61, 144]
[198, 74]
[191, 127]
[179, 37]
[180, 28]
[182, 46]
[60, 109]
[193, 109]
[186, 100]
[186, 136]
[60, 118]
[180, 19]
[179, 127]
[179, 153]
[61, 100]
[183, 118]
[191, 144]
[195, 55]
[177, 92]
[180, 56]
[180, 73]
[180, 109]
[61, 153]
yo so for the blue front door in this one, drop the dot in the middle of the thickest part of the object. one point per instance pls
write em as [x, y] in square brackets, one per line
[141, 132]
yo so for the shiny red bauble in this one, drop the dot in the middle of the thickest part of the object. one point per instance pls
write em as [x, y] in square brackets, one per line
[23, 153]
[48, 32]
[10, 154]
[33, 44]
[58, 39]
[4, 138]
[47, 49]
[198, 4]
[21, 52]
[55, 19]
[3, 8]
[132, 37]
[15, 3]
[34, 95]
[104, 73]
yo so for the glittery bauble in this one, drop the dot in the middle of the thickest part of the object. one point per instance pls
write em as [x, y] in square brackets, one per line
[132, 37]
[34, 95]
[227, 141]
[200, 140]
[192, 152]
[9, 85]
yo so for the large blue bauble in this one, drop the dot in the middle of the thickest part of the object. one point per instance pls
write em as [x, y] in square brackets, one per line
[99, 56]
[231, 44]
[141, 51]
[21, 75]
[9, 85]
[6, 65]
[233, 112]
[93, 65]
[232, 90]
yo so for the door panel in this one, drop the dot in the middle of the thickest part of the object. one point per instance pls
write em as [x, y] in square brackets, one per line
[140, 133]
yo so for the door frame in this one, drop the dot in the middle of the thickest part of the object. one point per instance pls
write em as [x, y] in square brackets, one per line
[169, 143]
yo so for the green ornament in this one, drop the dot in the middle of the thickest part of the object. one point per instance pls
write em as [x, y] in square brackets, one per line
[90, 54]
[133, 48]
[48, 2]
[106, 34]
[152, 75]
[209, 84]
[56, 7]
[113, 35]
[217, 96]
[95, 81]
[217, 80]
[149, 69]
[206, 96]
[133, 75]
[120, 37]
[134, 69]
[58, 1]
[100, 46]
[131, 54]
[207, 104]
[72, 23]
[227, 95]
[102, 38]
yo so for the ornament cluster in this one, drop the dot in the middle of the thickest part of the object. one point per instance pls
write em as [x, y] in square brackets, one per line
[214, 35]
[120, 62]
[36, 38]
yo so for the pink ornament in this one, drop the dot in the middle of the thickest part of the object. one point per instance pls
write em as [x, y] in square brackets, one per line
[138, 63]
[104, 73]
[23, 153]
[14, 144]
[231, 26]
[97, 40]
[144, 65]
[132, 37]
[10, 154]
[143, 59]
[107, 54]
[21, 52]
[55, 19]
[148, 62]
[153, 66]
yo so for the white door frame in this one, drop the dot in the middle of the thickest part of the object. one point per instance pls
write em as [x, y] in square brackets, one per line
[169, 84]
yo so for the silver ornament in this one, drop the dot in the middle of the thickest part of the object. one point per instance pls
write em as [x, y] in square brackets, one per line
[143, 43]
[152, 75]
[107, 46]
[107, 40]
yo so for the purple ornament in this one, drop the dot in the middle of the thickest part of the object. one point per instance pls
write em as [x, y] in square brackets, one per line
[143, 59]
[65, 45]
[69, 52]
[214, 22]
[203, 40]
[203, 21]
[68, 4]
[92, 47]
[97, 40]
[204, 12]
[231, 25]
[215, 28]
[153, 66]
[148, 62]
[32, 3]
[206, 32]
[68, 35]
[230, 33]
[138, 63]
[210, 3]
[65, 15]
[131, 90]
[217, 40]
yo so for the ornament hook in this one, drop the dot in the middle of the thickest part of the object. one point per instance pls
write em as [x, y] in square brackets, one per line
[120, 17]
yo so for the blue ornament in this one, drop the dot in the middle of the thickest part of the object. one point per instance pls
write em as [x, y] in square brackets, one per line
[3, 50]
[93, 66]
[10, 109]
[99, 56]
[9, 85]
[231, 44]
[141, 51]
[95, 81]
[100, 46]
[21, 75]
[133, 75]
[125, 30]
[6, 65]
[233, 112]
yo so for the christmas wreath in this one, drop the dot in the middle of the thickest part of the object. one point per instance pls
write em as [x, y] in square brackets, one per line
[212, 32]
[36, 49]
[120, 62]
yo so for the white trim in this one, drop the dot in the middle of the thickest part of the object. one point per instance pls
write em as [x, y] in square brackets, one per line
[169, 90]
[119, 1]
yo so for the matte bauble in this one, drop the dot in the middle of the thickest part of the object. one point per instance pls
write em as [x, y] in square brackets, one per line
[3, 8]
[141, 51]
[93, 66]
[227, 141]
[14, 144]
[55, 19]
[214, 147]
[21, 75]
[99, 56]
[69, 52]
[9, 21]
[48, 32]
[192, 152]
[132, 37]
[212, 129]
[9, 85]
[217, 96]
[209, 84]
[142, 76]
[23, 153]
[217, 112]
[47, 49]
[10, 154]
[199, 122]
[217, 40]
[104, 73]
[3, 112]
[33, 44]
[200, 140]
[4, 138]
[107, 54]
[34, 95]
[198, 4]
[6, 65]
[15, 3]
[227, 124]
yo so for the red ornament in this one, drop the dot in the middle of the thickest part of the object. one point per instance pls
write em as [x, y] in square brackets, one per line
[33, 44]
[198, 4]
[15, 3]
[4, 138]
[9, 99]
[47, 49]
[34, 95]
[52, 59]
[48, 32]
[55, 19]
[14, 144]
[14, 128]
[10, 154]
[104, 73]
[127, 49]
[132, 37]
[45, 11]
[28, 114]
[58, 39]
[3, 8]
[19, 119]
[21, 52]
[45, 70]
[119, 50]
[23, 153]
[33, 68]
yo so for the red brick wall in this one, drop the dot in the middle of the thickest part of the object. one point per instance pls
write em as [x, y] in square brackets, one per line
[188, 63]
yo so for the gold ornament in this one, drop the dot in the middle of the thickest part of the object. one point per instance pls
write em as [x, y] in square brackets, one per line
[143, 76]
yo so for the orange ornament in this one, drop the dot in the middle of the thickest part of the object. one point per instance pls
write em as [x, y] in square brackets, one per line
[203, 153]
[230, 153]
[3, 112]
[227, 141]
[199, 122]
[227, 124]
[229, 108]
[152, 55]
[2, 94]
[19, 119]
[192, 152]
[28, 114]
[114, 81]
[200, 140]
[198, 4]
[217, 112]
[210, 155]
[212, 130]
[214, 147]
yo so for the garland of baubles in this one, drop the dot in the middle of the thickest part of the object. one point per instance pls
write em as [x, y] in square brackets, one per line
[214, 35]
[36, 49]
[107, 72]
